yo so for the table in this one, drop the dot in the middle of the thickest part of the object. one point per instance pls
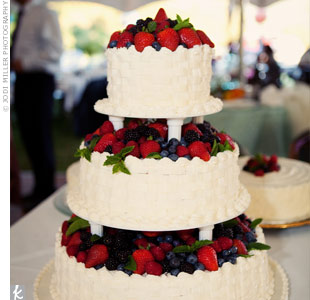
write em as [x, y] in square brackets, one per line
[33, 238]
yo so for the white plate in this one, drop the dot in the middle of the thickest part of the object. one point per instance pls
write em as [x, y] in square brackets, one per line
[43, 281]
[60, 201]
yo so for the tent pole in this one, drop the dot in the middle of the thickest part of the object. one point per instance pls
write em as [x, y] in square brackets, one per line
[241, 77]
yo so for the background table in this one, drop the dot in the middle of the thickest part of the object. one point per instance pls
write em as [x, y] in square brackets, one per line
[33, 239]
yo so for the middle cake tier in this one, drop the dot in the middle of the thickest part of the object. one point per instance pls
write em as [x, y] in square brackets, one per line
[159, 194]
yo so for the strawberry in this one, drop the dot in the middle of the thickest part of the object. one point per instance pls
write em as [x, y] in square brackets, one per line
[148, 147]
[88, 137]
[73, 216]
[204, 38]
[166, 246]
[207, 256]
[107, 139]
[125, 37]
[273, 159]
[142, 140]
[106, 127]
[208, 147]
[243, 226]
[190, 241]
[185, 234]
[64, 227]
[141, 243]
[225, 137]
[216, 246]
[259, 173]
[240, 246]
[190, 126]
[117, 147]
[158, 253]
[133, 124]
[129, 26]
[72, 250]
[161, 26]
[160, 16]
[182, 151]
[98, 254]
[142, 40]
[151, 233]
[198, 149]
[153, 268]
[115, 36]
[65, 239]
[141, 257]
[225, 242]
[75, 240]
[189, 37]
[81, 256]
[161, 128]
[274, 168]
[168, 38]
[120, 133]
[97, 131]
[135, 152]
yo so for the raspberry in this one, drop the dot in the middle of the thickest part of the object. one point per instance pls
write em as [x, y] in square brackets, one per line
[153, 268]
[182, 151]
[273, 159]
[158, 253]
[106, 127]
[72, 250]
[120, 133]
[190, 241]
[259, 172]
[225, 242]
[141, 243]
[166, 246]
[65, 240]
[117, 147]
[64, 227]
[216, 246]
[81, 257]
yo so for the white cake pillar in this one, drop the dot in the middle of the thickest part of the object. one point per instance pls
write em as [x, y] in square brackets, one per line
[118, 122]
[205, 233]
[174, 128]
[96, 229]
[198, 120]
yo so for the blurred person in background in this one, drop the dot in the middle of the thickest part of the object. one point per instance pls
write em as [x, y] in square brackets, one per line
[35, 53]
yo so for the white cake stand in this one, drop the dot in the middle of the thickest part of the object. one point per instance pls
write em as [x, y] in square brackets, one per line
[43, 282]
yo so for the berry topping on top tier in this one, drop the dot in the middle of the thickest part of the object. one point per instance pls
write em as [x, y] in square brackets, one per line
[145, 139]
[261, 164]
[158, 253]
[160, 32]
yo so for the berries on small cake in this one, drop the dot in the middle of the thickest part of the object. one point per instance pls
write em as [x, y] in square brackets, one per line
[149, 147]
[207, 256]
[261, 164]
[198, 149]
[168, 38]
[98, 254]
[189, 37]
[142, 40]
[141, 257]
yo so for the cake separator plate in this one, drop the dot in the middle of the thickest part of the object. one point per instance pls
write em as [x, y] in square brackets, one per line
[43, 282]
[277, 225]
[60, 201]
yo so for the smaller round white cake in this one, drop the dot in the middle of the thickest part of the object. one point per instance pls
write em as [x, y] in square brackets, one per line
[279, 197]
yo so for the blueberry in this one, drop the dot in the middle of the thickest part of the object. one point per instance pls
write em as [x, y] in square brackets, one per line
[170, 255]
[174, 262]
[175, 272]
[183, 142]
[120, 267]
[239, 236]
[232, 260]
[172, 149]
[199, 266]
[168, 238]
[220, 261]
[156, 46]
[250, 237]
[226, 253]
[233, 250]
[128, 272]
[140, 236]
[176, 243]
[97, 267]
[182, 254]
[174, 142]
[113, 44]
[87, 143]
[160, 139]
[164, 153]
[192, 259]
[173, 157]
[188, 157]
[128, 44]
[164, 145]
[184, 45]
[160, 239]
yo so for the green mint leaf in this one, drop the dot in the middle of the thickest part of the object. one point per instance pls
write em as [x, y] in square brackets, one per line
[116, 168]
[227, 146]
[246, 255]
[198, 244]
[77, 225]
[151, 26]
[214, 150]
[221, 148]
[125, 151]
[85, 152]
[230, 223]
[93, 142]
[181, 249]
[131, 264]
[123, 168]
[255, 223]
[155, 155]
[257, 246]
[112, 160]
[94, 238]
[73, 219]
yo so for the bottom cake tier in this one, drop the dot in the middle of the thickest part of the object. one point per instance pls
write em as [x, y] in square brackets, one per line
[248, 278]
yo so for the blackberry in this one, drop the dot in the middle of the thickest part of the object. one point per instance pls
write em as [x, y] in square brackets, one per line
[191, 136]
[88, 244]
[242, 217]
[208, 138]
[83, 247]
[140, 22]
[133, 30]
[111, 263]
[108, 240]
[132, 135]
[218, 230]
[121, 241]
[85, 235]
[228, 232]
[187, 268]
[172, 22]
[122, 255]
[143, 130]
[237, 230]
[147, 21]
[166, 266]
[108, 149]
[153, 132]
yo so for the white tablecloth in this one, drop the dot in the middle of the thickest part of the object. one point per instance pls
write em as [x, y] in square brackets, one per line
[33, 238]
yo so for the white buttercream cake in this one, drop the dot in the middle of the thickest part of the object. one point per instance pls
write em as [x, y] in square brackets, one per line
[279, 197]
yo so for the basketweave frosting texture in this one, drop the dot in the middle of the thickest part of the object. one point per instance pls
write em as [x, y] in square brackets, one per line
[282, 196]
[159, 194]
[249, 279]
[159, 84]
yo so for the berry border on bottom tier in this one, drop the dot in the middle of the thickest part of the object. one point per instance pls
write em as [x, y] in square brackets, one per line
[249, 279]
